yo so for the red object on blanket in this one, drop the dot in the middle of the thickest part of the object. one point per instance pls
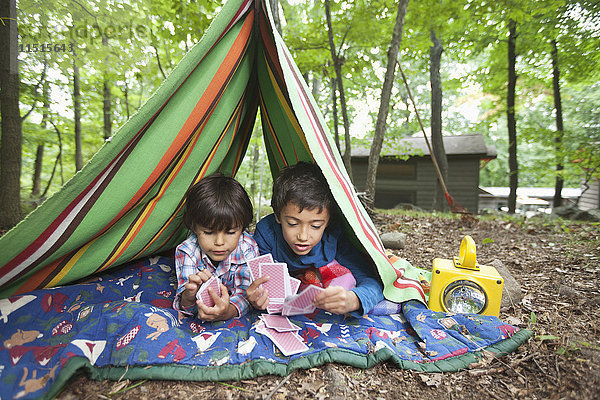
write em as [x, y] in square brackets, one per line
[308, 276]
[332, 273]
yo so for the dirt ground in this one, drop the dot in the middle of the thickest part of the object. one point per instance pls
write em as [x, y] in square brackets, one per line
[557, 264]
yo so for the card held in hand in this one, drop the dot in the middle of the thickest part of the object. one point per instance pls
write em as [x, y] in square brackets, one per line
[278, 284]
[254, 264]
[203, 293]
[301, 303]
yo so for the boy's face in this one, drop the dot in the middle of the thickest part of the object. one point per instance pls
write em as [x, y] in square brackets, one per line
[217, 244]
[302, 230]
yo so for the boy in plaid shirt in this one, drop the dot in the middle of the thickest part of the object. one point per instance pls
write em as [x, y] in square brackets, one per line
[217, 213]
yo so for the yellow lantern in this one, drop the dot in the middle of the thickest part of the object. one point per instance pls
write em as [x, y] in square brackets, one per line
[462, 285]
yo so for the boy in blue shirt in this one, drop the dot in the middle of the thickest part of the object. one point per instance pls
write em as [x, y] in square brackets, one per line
[303, 232]
[217, 213]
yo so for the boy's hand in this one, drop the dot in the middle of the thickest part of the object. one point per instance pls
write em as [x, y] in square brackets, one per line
[188, 297]
[337, 300]
[257, 295]
[222, 310]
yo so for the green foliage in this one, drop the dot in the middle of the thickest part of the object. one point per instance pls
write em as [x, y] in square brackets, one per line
[542, 338]
[254, 173]
[532, 321]
[133, 45]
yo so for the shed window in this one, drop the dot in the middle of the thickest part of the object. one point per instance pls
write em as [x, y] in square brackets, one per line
[396, 171]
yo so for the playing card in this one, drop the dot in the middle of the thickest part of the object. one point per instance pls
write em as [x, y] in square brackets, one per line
[274, 307]
[294, 285]
[254, 264]
[278, 284]
[301, 303]
[203, 293]
[288, 342]
[279, 323]
[261, 327]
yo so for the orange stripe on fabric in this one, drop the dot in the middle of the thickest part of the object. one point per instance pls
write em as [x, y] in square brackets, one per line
[236, 116]
[36, 280]
[160, 232]
[269, 44]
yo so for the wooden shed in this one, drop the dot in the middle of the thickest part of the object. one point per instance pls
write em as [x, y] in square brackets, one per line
[413, 180]
[590, 196]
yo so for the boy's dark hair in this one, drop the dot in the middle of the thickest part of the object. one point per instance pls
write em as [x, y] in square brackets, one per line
[303, 184]
[217, 202]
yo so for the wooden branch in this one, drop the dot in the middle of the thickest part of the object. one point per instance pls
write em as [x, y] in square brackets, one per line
[35, 90]
[58, 157]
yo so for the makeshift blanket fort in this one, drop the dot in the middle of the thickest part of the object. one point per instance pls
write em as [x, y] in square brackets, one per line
[121, 326]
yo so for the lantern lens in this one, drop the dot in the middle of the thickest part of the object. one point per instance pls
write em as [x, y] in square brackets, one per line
[464, 297]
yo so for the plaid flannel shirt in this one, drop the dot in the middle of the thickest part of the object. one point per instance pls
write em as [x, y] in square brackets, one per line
[233, 272]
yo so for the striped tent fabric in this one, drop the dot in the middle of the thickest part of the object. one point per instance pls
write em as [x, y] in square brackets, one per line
[127, 202]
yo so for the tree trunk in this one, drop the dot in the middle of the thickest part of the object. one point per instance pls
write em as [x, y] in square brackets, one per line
[77, 117]
[57, 161]
[437, 143]
[126, 97]
[386, 91]
[106, 98]
[11, 124]
[37, 171]
[336, 129]
[337, 65]
[513, 165]
[39, 155]
[558, 139]
[106, 108]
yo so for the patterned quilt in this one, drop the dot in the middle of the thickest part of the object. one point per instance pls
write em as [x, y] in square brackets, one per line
[120, 325]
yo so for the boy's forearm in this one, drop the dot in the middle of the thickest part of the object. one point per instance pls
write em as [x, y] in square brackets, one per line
[185, 303]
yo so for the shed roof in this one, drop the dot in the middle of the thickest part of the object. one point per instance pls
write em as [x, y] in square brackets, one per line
[500, 192]
[472, 145]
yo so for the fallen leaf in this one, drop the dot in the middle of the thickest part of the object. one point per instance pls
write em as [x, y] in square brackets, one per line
[513, 321]
[311, 387]
[431, 379]
[119, 386]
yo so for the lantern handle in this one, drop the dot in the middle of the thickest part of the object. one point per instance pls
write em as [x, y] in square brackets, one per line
[467, 255]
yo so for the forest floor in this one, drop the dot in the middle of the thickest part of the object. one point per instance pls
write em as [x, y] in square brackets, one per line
[557, 264]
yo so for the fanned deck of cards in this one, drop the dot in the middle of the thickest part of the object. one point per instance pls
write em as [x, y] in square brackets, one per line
[282, 332]
[203, 293]
[282, 288]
